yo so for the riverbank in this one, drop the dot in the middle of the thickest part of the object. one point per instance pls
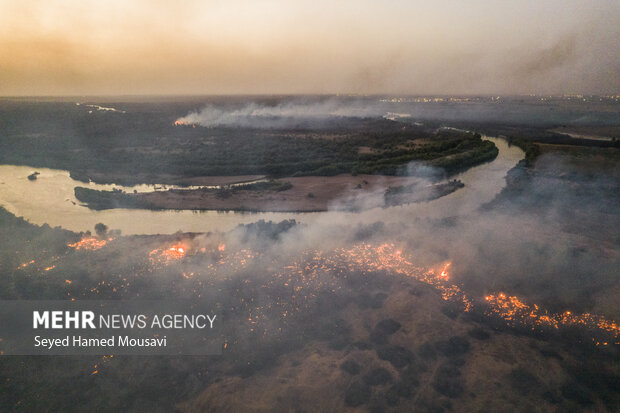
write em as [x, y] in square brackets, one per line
[296, 194]
[50, 199]
[163, 179]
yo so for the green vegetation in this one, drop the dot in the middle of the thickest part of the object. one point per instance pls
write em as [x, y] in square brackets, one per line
[390, 375]
[398, 195]
[531, 149]
[271, 185]
[357, 394]
[109, 199]
[143, 146]
[482, 151]
[101, 229]
[351, 367]
[377, 376]
[448, 381]
[98, 200]
[383, 330]
[398, 356]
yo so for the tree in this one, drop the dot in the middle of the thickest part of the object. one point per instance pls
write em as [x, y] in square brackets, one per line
[101, 229]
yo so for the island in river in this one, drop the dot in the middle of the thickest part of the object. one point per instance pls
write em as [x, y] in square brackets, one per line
[295, 194]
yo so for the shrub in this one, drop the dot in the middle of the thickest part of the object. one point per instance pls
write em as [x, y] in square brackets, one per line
[524, 381]
[357, 394]
[448, 382]
[396, 355]
[428, 351]
[378, 300]
[392, 396]
[101, 229]
[479, 334]
[455, 346]
[407, 384]
[351, 367]
[383, 329]
[577, 393]
[451, 311]
[377, 376]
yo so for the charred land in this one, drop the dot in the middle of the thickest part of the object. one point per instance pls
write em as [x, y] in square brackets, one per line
[511, 307]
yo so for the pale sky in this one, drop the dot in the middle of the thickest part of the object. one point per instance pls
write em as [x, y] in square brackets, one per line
[109, 47]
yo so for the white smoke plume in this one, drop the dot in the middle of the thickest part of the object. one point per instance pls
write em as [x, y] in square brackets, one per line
[287, 114]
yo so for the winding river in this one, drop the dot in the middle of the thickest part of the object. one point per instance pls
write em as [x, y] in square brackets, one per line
[50, 199]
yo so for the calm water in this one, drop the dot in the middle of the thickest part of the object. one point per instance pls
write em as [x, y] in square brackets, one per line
[50, 200]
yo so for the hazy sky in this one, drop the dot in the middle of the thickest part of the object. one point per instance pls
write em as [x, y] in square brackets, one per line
[52, 47]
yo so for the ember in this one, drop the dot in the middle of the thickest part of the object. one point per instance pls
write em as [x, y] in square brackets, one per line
[89, 243]
[515, 311]
[24, 265]
[180, 122]
[165, 255]
[315, 270]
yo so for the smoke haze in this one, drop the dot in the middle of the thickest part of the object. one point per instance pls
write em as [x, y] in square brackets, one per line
[241, 47]
[285, 114]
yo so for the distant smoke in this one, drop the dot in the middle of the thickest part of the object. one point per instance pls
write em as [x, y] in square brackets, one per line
[314, 113]
[282, 115]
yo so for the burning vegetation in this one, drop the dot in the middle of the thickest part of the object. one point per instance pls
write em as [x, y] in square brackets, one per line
[516, 312]
[90, 243]
[404, 334]
[167, 254]
[181, 122]
[316, 270]
[346, 299]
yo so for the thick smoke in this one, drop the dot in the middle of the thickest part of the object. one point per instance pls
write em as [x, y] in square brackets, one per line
[549, 241]
[317, 113]
[522, 243]
[288, 114]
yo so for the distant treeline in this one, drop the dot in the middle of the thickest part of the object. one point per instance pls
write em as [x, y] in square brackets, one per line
[526, 137]
[143, 146]
[404, 194]
[98, 200]
[110, 199]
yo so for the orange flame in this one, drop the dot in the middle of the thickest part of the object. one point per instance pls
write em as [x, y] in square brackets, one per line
[24, 265]
[513, 310]
[165, 255]
[89, 243]
[180, 122]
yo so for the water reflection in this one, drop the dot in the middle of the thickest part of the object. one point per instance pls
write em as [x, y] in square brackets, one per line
[50, 199]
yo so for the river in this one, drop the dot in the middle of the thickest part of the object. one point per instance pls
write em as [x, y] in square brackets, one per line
[50, 199]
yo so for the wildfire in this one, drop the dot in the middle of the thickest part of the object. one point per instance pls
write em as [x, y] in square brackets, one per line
[103, 361]
[515, 311]
[316, 271]
[181, 122]
[89, 243]
[387, 257]
[165, 255]
[176, 252]
[444, 272]
[24, 265]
